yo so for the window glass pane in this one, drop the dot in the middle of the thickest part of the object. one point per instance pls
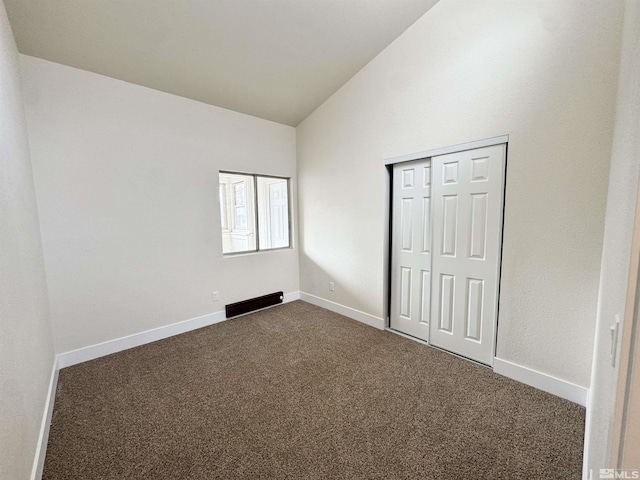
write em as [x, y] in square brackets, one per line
[248, 202]
[238, 235]
[273, 212]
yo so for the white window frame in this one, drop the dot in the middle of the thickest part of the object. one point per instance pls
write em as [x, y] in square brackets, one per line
[228, 210]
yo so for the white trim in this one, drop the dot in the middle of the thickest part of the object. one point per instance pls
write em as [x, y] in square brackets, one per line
[363, 317]
[43, 437]
[487, 142]
[291, 297]
[386, 235]
[586, 471]
[556, 386]
[98, 350]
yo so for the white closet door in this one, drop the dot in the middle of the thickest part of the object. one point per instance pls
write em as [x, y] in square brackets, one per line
[411, 248]
[467, 237]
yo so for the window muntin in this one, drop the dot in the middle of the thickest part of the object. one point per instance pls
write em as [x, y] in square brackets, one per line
[254, 212]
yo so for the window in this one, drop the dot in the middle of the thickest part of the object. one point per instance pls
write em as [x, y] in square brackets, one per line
[254, 212]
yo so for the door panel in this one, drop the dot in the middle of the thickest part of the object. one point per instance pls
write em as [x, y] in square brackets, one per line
[411, 249]
[447, 301]
[467, 234]
[449, 225]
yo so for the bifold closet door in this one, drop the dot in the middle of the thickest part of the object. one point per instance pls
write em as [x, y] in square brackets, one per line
[411, 248]
[467, 194]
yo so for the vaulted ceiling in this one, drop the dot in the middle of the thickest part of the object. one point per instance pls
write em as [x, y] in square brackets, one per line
[275, 59]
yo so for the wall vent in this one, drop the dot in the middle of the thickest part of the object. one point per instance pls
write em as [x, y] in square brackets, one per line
[253, 304]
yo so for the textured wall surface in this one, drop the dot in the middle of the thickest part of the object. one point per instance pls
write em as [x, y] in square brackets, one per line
[621, 204]
[26, 345]
[545, 73]
[127, 185]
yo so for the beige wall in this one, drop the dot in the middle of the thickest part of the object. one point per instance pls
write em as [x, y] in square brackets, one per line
[127, 184]
[26, 346]
[542, 72]
[621, 211]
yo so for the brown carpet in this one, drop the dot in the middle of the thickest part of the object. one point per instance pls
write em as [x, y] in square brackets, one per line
[298, 392]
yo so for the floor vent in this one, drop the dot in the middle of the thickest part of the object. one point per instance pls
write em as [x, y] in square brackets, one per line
[246, 306]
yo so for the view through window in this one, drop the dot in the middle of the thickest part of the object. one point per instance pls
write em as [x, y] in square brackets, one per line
[254, 212]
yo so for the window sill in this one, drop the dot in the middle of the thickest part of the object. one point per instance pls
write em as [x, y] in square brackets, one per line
[254, 252]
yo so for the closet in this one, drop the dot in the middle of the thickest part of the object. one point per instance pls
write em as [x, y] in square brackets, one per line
[446, 240]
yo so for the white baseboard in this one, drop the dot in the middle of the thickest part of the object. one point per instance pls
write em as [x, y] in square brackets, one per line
[98, 350]
[290, 297]
[371, 320]
[124, 343]
[43, 437]
[555, 386]
[587, 473]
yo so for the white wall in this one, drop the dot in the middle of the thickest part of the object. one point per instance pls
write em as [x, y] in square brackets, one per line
[542, 72]
[127, 185]
[621, 204]
[26, 346]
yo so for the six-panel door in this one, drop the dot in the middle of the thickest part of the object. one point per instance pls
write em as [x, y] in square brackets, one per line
[411, 249]
[467, 234]
[446, 243]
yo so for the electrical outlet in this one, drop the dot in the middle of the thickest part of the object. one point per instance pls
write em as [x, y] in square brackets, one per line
[332, 286]
[215, 296]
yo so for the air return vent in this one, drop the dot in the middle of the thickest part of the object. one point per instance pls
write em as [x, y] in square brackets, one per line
[246, 306]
